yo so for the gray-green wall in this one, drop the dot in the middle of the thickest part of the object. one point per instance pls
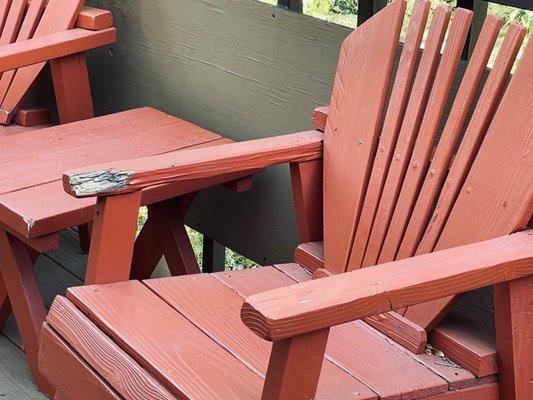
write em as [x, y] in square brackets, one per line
[240, 68]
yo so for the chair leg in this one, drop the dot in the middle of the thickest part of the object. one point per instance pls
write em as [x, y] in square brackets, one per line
[5, 304]
[17, 271]
[294, 367]
[513, 302]
[113, 237]
[177, 249]
[84, 233]
[147, 250]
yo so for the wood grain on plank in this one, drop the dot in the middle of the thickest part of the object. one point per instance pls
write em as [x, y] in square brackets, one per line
[474, 134]
[467, 343]
[64, 368]
[310, 255]
[369, 361]
[58, 16]
[214, 308]
[410, 125]
[166, 343]
[438, 167]
[391, 128]
[94, 19]
[497, 196]
[359, 94]
[425, 139]
[341, 298]
[55, 45]
[135, 174]
[98, 350]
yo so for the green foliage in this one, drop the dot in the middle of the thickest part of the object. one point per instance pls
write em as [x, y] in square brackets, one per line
[344, 6]
[233, 260]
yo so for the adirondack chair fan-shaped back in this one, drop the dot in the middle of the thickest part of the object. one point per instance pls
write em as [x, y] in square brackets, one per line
[388, 192]
[22, 20]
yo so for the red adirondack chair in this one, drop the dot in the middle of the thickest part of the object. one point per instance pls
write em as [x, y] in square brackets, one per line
[436, 228]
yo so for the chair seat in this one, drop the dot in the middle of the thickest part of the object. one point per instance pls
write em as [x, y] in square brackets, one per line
[182, 336]
[32, 200]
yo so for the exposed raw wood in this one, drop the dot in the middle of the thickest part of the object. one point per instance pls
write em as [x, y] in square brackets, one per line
[131, 175]
[94, 19]
[298, 309]
[365, 64]
[496, 198]
[33, 116]
[53, 45]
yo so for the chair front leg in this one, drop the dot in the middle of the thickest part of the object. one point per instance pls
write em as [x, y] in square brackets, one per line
[294, 367]
[113, 237]
[16, 265]
[513, 303]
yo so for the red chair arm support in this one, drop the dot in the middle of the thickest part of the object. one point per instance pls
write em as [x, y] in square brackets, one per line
[318, 304]
[136, 174]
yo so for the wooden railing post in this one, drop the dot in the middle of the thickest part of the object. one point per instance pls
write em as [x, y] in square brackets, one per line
[513, 303]
[294, 367]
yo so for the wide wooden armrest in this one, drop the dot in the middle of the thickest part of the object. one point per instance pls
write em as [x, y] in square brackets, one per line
[135, 174]
[321, 303]
[55, 45]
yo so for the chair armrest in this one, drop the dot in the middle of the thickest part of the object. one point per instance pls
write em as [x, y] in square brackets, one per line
[310, 306]
[136, 174]
[55, 45]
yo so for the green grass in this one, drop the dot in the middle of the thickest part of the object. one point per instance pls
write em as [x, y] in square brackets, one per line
[233, 260]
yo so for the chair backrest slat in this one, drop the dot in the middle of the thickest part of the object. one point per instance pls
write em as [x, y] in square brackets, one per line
[497, 196]
[359, 94]
[58, 16]
[477, 127]
[31, 19]
[4, 10]
[428, 132]
[462, 103]
[410, 125]
[391, 127]
[13, 21]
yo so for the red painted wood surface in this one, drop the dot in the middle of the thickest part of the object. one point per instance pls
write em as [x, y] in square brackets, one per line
[94, 19]
[496, 198]
[359, 94]
[357, 294]
[58, 16]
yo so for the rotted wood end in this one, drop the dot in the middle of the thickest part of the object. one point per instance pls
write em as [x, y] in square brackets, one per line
[96, 183]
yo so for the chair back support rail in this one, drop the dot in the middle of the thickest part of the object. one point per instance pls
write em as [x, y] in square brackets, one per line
[35, 32]
[388, 196]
